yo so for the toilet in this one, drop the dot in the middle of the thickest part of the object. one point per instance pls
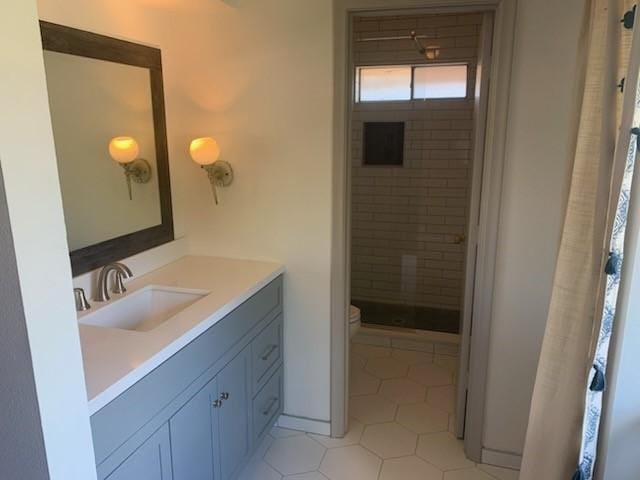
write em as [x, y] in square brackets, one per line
[354, 320]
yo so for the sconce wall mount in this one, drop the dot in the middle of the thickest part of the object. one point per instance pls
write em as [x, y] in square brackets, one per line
[220, 173]
[139, 171]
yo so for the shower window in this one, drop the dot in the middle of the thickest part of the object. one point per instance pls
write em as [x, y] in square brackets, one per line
[442, 81]
[403, 83]
[384, 83]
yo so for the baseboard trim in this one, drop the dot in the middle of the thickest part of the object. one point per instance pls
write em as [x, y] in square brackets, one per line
[309, 425]
[501, 459]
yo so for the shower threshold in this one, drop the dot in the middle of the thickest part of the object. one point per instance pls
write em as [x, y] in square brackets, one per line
[409, 316]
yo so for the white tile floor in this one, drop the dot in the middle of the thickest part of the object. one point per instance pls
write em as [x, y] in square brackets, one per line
[402, 405]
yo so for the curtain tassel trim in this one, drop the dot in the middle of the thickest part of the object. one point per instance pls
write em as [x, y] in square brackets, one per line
[629, 18]
[611, 268]
[636, 131]
[579, 475]
[599, 381]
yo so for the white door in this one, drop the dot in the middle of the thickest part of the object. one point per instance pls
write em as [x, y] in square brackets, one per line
[480, 120]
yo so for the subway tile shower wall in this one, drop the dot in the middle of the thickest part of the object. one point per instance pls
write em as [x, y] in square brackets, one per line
[407, 221]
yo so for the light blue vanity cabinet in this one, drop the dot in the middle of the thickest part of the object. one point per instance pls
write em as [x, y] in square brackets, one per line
[150, 461]
[210, 435]
[233, 414]
[200, 415]
[194, 434]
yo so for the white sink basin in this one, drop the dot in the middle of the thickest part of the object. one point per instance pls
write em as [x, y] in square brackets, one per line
[144, 309]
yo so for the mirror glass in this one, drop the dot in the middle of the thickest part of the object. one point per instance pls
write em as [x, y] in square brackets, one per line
[106, 99]
[93, 101]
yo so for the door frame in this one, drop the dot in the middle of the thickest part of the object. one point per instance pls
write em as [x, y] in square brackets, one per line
[481, 101]
[477, 345]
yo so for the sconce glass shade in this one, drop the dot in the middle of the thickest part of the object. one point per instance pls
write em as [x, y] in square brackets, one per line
[124, 149]
[204, 151]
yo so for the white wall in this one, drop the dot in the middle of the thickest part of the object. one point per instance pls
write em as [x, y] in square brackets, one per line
[543, 112]
[28, 163]
[273, 115]
[258, 77]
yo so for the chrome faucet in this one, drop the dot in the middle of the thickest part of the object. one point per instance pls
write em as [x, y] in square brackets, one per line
[122, 272]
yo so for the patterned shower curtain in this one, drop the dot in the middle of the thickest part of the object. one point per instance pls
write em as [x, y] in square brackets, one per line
[566, 404]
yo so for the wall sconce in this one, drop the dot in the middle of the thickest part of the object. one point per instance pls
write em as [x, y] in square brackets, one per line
[205, 152]
[125, 150]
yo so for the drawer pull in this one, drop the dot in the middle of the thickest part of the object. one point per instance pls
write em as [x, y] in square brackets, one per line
[224, 396]
[269, 407]
[268, 352]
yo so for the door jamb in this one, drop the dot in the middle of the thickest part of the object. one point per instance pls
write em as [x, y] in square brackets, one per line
[481, 100]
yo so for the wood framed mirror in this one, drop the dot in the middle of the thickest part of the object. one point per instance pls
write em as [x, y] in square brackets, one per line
[101, 89]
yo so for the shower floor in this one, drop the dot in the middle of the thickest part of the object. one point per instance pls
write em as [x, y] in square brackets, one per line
[408, 316]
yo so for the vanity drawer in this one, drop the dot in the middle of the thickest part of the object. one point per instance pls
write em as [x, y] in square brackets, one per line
[266, 351]
[267, 405]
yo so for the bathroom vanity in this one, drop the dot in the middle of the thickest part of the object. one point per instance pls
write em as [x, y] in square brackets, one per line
[184, 370]
[190, 396]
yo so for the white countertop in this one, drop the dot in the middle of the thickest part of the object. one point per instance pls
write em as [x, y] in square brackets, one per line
[115, 359]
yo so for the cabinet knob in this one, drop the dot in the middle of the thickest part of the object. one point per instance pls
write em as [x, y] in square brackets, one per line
[224, 396]
[217, 403]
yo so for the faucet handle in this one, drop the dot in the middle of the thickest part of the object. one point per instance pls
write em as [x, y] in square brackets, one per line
[81, 300]
[118, 285]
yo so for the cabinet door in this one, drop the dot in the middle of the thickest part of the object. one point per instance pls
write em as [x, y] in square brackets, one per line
[193, 437]
[233, 415]
[151, 461]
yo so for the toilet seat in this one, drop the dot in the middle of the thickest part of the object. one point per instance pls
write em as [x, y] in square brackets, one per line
[354, 320]
[354, 314]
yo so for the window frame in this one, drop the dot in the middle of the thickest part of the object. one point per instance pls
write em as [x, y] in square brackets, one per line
[412, 67]
[358, 86]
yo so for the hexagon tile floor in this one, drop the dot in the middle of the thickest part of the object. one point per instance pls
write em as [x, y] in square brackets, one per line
[402, 405]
